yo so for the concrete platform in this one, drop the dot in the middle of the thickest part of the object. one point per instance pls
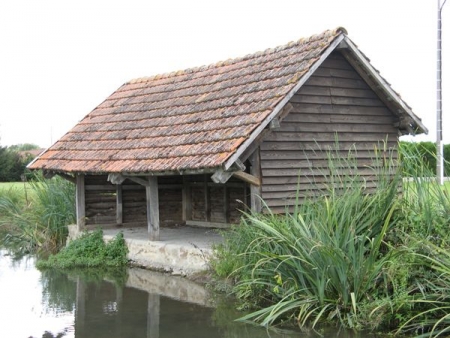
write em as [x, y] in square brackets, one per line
[181, 250]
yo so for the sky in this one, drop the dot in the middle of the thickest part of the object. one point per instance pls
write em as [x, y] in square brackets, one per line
[61, 59]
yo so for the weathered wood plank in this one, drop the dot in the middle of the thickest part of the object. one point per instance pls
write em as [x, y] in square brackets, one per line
[304, 127]
[336, 100]
[313, 145]
[337, 73]
[255, 190]
[152, 208]
[333, 91]
[311, 163]
[312, 108]
[250, 179]
[334, 118]
[311, 155]
[336, 63]
[370, 182]
[337, 82]
[373, 136]
[311, 171]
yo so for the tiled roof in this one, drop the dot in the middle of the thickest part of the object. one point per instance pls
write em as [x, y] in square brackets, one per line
[190, 119]
[194, 119]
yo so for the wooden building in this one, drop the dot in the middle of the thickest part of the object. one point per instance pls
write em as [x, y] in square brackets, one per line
[200, 145]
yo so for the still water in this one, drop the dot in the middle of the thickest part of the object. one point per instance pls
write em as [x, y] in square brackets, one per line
[147, 304]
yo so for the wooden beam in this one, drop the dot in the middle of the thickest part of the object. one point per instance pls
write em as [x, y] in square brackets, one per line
[186, 200]
[274, 124]
[226, 204]
[207, 200]
[119, 204]
[221, 176]
[116, 178]
[80, 202]
[138, 180]
[151, 191]
[253, 180]
[68, 177]
[255, 190]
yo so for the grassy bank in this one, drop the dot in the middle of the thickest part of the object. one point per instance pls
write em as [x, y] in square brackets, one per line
[362, 260]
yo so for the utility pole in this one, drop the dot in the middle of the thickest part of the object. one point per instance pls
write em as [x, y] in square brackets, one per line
[439, 144]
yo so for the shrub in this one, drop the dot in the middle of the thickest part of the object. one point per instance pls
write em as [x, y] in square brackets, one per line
[89, 251]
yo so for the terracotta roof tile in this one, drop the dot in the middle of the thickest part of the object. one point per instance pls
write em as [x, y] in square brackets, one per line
[189, 119]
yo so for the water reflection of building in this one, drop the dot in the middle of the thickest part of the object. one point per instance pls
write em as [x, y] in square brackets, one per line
[151, 305]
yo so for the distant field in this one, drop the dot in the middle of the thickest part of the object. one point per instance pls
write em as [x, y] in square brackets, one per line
[9, 185]
[17, 189]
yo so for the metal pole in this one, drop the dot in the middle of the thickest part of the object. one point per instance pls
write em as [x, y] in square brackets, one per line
[439, 145]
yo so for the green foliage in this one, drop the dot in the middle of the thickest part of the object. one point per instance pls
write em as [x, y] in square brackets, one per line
[12, 165]
[24, 147]
[89, 251]
[37, 222]
[425, 203]
[426, 152]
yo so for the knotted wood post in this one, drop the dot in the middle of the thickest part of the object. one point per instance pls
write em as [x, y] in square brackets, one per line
[80, 202]
[151, 190]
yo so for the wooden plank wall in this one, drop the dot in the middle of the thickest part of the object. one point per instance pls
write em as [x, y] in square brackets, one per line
[210, 202]
[101, 201]
[334, 103]
[216, 203]
[170, 200]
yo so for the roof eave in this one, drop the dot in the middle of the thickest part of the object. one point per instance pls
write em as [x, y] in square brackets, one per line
[391, 94]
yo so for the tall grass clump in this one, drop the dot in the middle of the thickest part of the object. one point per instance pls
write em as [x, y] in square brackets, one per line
[430, 297]
[38, 223]
[327, 261]
[425, 203]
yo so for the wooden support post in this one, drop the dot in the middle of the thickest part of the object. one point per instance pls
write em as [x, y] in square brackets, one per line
[119, 205]
[153, 313]
[80, 203]
[255, 190]
[207, 200]
[152, 208]
[226, 203]
[186, 200]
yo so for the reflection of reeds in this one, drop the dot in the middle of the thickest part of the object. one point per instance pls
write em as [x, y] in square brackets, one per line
[39, 224]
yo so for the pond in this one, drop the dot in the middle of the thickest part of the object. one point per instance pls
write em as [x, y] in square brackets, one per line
[55, 304]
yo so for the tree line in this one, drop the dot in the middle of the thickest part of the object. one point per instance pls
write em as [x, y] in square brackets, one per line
[13, 161]
[427, 152]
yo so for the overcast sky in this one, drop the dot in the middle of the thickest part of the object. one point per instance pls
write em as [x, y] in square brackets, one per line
[60, 59]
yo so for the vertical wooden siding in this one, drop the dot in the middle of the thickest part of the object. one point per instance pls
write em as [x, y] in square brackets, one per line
[101, 201]
[216, 203]
[335, 104]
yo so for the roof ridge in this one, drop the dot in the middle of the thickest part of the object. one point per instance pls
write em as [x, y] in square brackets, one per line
[325, 34]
